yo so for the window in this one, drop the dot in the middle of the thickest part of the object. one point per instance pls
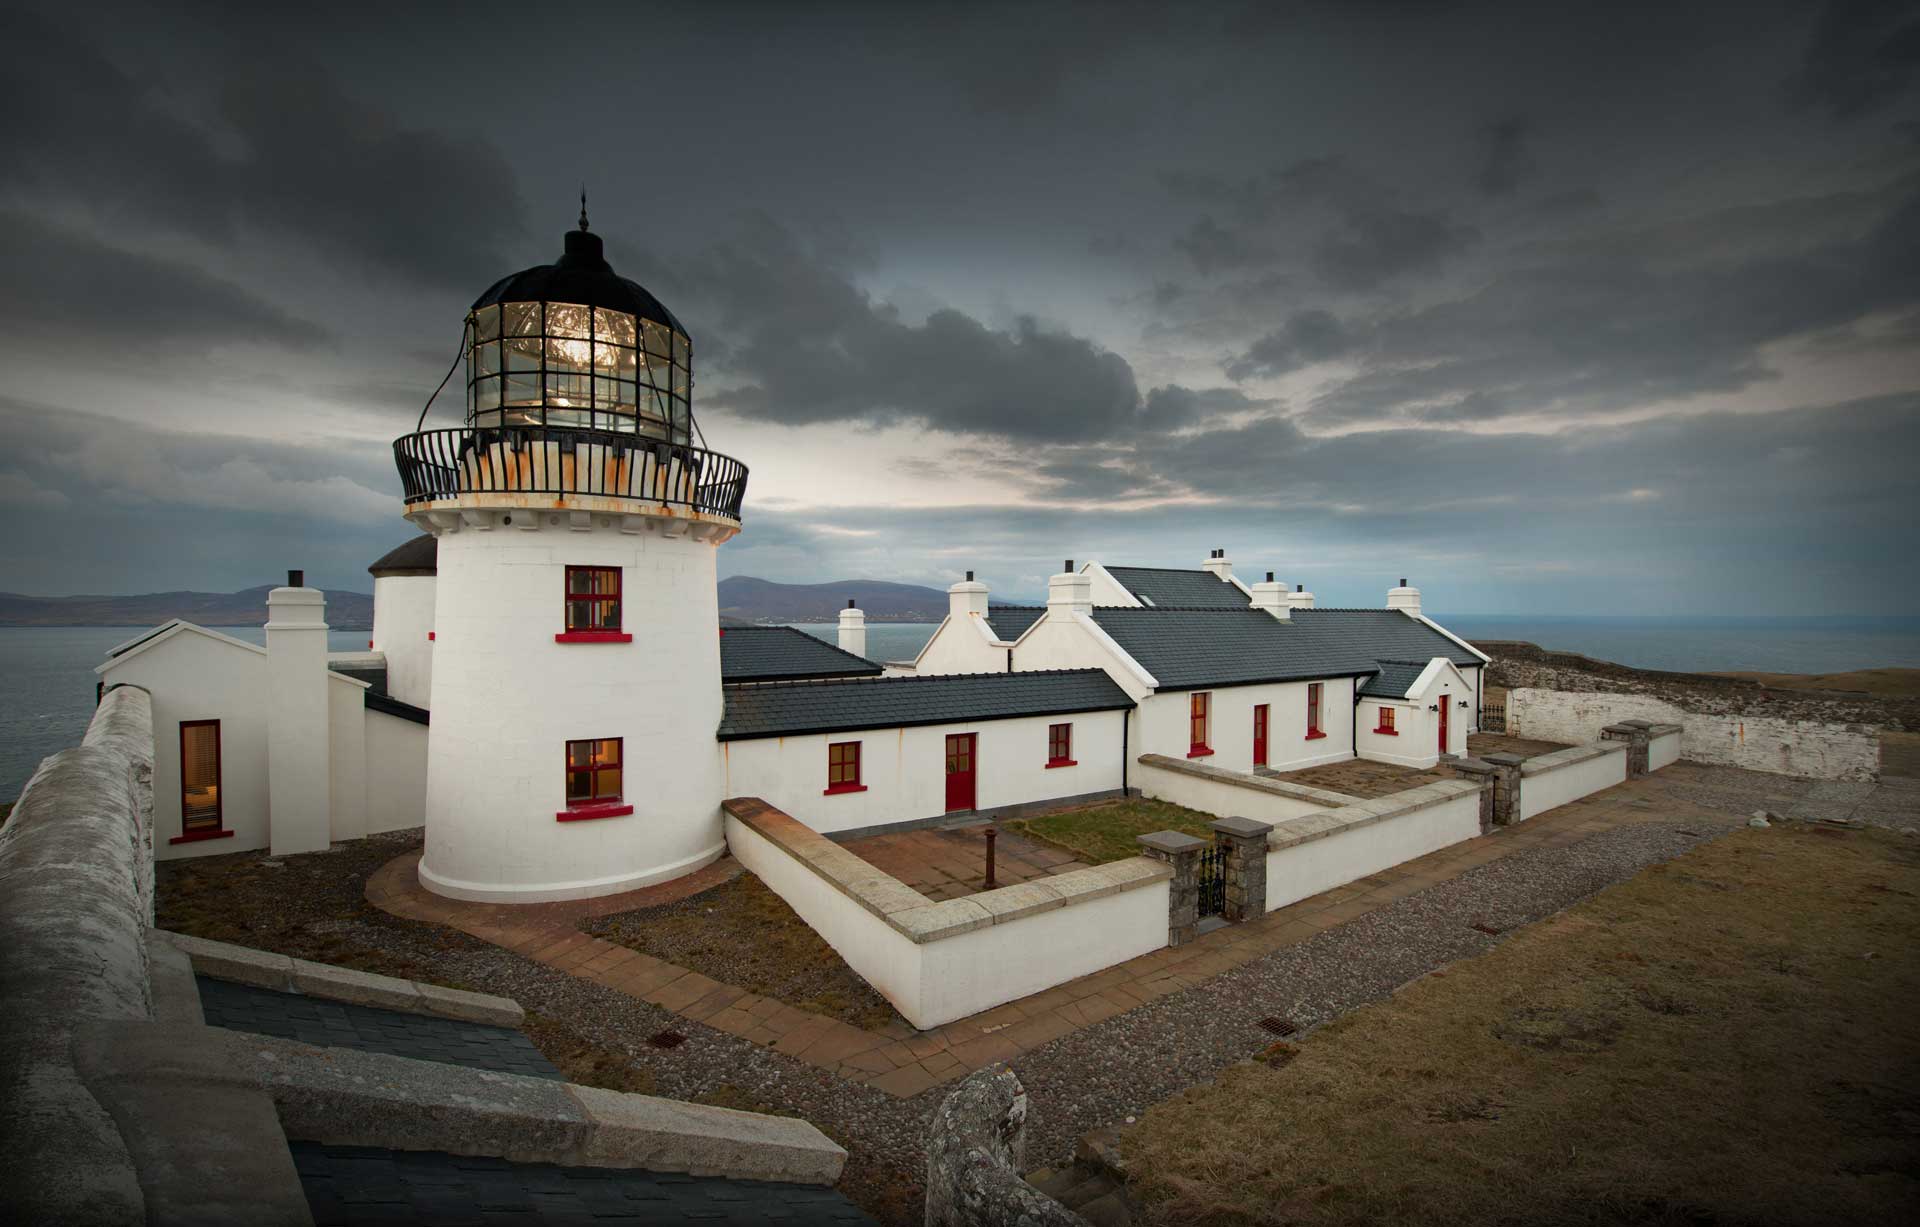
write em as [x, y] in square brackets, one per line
[593, 606]
[1313, 711]
[594, 779]
[1386, 722]
[843, 767]
[1199, 724]
[200, 814]
[1060, 745]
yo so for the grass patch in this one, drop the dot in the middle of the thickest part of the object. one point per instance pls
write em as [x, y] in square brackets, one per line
[1110, 831]
[1729, 1037]
[743, 934]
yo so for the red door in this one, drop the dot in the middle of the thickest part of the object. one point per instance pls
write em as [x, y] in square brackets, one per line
[1260, 735]
[960, 771]
[1444, 705]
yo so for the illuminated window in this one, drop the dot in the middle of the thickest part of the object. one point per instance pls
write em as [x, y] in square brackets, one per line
[566, 364]
[1060, 745]
[593, 598]
[200, 813]
[843, 767]
[593, 771]
[1313, 711]
[1199, 724]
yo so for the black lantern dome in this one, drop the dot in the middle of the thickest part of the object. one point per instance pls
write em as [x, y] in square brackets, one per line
[574, 344]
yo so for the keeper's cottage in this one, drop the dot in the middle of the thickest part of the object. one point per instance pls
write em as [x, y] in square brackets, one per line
[549, 691]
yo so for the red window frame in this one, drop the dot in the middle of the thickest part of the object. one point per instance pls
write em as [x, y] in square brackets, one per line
[1200, 724]
[192, 830]
[594, 759]
[843, 768]
[1060, 746]
[1313, 711]
[591, 611]
[1386, 722]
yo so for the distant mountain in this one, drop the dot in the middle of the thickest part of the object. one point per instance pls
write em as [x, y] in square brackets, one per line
[762, 600]
[346, 611]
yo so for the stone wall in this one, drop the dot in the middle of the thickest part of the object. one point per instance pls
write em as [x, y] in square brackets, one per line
[1758, 743]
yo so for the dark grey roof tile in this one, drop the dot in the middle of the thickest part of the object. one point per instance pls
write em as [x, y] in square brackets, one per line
[1009, 622]
[1163, 588]
[793, 708]
[1188, 648]
[779, 653]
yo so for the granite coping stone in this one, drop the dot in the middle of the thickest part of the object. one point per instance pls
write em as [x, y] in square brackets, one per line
[1244, 827]
[913, 915]
[1305, 829]
[1237, 779]
[1173, 843]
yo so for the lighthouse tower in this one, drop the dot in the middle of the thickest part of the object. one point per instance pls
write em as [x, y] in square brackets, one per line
[576, 662]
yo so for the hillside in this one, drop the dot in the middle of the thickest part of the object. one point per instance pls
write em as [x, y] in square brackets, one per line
[763, 600]
[248, 607]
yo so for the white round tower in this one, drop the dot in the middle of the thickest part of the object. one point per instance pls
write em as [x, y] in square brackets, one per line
[576, 656]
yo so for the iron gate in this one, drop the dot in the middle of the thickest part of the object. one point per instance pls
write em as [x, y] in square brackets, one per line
[1213, 880]
[1493, 717]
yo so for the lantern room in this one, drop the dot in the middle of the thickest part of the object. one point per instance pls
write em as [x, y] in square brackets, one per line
[574, 344]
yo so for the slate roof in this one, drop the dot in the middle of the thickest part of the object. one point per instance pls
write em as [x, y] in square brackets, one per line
[1186, 649]
[335, 1024]
[1009, 622]
[1163, 588]
[779, 653]
[1395, 678]
[364, 1184]
[794, 708]
[420, 556]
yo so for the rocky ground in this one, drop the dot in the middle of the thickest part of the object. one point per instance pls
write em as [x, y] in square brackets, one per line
[1516, 664]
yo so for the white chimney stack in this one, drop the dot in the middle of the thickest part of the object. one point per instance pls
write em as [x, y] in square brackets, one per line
[1404, 598]
[1272, 597]
[1069, 593]
[1217, 563]
[967, 597]
[1300, 598]
[299, 774]
[853, 630]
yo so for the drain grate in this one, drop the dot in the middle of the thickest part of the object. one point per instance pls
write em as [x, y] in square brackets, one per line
[1279, 1026]
[1488, 929]
[667, 1039]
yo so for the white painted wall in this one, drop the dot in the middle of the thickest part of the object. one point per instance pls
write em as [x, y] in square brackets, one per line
[962, 643]
[1077, 642]
[507, 697]
[1663, 750]
[402, 619]
[299, 777]
[1402, 746]
[396, 775]
[346, 750]
[1553, 780]
[904, 770]
[1785, 747]
[1305, 869]
[195, 674]
[1218, 797]
[1164, 729]
[1104, 589]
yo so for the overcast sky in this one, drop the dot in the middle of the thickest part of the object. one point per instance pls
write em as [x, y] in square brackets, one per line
[1615, 313]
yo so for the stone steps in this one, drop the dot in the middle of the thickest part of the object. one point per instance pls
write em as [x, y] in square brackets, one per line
[1094, 1185]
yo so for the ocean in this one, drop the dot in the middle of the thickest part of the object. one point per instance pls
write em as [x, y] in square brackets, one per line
[46, 672]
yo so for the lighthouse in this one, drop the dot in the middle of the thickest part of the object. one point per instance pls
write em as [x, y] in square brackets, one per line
[575, 687]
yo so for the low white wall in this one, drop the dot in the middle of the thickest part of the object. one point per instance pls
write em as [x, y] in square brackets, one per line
[1552, 780]
[1663, 750]
[1785, 747]
[1322, 851]
[396, 776]
[1227, 794]
[347, 758]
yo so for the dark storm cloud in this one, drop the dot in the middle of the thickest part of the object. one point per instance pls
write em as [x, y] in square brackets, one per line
[1505, 160]
[256, 142]
[1213, 248]
[72, 293]
[1862, 55]
[1306, 338]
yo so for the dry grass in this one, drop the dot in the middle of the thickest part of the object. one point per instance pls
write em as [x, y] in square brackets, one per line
[1888, 683]
[743, 934]
[1727, 1038]
[1110, 831]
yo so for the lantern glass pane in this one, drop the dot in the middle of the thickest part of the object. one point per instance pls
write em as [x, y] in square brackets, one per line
[568, 320]
[486, 323]
[521, 319]
[658, 341]
[614, 326]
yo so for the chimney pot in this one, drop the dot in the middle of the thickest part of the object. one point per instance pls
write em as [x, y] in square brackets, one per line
[1069, 565]
[1299, 587]
[1269, 577]
[849, 602]
[1403, 582]
[296, 579]
[969, 577]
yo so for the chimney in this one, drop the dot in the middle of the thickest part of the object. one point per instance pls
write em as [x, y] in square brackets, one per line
[1404, 598]
[1300, 598]
[1217, 563]
[1068, 593]
[1272, 597]
[299, 771]
[967, 597]
[853, 630]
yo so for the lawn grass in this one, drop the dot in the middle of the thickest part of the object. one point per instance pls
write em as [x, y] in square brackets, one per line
[1111, 830]
[1726, 1038]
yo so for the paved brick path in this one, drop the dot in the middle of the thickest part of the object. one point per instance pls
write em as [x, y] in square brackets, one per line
[951, 862]
[904, 1062]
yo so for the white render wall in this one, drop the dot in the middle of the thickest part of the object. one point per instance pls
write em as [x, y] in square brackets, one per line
[1359, 846]
[507, 698]
[1077, 642]
[1411, 733]
[1164, 728]
[904, 769]
[1663, 750]
[346, 752]
[396, 774]
[1221, 798]
[1552, 780]
[1786, 747]
[402, 620]
[961, 644]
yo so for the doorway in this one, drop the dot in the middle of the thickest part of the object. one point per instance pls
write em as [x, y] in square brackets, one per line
[1260, 734]
[1445, 706]
[960, 771]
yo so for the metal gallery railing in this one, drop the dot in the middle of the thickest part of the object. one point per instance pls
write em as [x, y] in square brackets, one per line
[445, 464]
